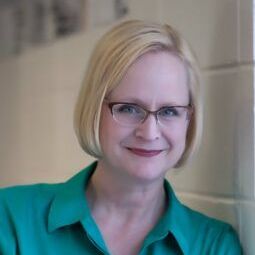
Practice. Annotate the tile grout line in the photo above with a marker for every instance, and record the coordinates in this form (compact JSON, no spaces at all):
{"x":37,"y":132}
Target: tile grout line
{"x":214,"y":198}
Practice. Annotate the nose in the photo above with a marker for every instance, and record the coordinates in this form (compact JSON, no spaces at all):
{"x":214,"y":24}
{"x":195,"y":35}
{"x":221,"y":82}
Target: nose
{"x":149,"y":129}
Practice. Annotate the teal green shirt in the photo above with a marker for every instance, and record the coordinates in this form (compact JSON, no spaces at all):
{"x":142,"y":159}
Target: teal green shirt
{"x":54,"y":219}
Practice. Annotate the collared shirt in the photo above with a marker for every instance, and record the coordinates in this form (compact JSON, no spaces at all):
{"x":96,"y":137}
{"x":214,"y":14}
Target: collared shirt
{"x":54,"y":219}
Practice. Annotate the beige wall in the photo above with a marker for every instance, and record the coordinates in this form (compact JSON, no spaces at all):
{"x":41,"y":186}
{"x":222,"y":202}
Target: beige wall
{"x":38,"y":91}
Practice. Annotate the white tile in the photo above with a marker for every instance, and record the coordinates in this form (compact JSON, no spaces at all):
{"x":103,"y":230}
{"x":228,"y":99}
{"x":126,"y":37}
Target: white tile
{"x":244,"y":135}
{"x":247,"y":226}
{"x":222,"y":209}
{"x":224,"y":165}
{"x":209,"y":26}
{"x":246,"y":30}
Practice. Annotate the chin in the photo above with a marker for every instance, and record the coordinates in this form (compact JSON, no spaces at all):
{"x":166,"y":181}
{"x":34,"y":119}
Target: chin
{"x":146,"y":170}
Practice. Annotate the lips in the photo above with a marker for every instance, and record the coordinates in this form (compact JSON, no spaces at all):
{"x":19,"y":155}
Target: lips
{"x":144,"y":153}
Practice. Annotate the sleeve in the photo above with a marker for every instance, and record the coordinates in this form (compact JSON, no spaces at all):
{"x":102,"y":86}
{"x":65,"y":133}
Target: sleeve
{"x":227,"y":243}
{"x":7,"y":236}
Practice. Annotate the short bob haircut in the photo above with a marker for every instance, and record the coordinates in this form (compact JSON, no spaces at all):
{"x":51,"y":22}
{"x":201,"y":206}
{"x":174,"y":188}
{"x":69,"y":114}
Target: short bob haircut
{"x":110,"y":60}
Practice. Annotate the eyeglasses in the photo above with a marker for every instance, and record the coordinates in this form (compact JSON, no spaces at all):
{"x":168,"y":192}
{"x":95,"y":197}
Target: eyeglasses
{"x":130,"y":114}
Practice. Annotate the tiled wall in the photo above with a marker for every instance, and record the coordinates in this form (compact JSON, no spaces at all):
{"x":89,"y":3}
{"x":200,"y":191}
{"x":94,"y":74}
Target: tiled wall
{"x":38,"y":91}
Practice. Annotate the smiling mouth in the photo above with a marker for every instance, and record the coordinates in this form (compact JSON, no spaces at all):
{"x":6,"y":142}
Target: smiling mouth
{"x":145,"y":153}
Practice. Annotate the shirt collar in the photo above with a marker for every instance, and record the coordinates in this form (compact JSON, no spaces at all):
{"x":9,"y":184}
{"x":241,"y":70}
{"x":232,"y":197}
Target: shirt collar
{"x":176,"y":219}
{"x":70,"y":206}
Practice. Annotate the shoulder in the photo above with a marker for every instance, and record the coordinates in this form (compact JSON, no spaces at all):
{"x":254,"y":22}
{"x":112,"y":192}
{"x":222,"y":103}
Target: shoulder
{"x":213,"y":235}
{"x":198,"y":233}
{"x":21,"y":207}
{"x":18,"y":196}
{"x":17,"y":202}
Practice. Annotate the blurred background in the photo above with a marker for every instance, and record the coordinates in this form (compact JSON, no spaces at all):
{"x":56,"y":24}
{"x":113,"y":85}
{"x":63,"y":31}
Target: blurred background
{"x":30,"y":23}
{"x":44,"y":49}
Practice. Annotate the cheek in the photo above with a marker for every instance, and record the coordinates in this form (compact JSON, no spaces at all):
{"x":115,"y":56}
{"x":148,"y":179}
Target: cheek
{"x":183,"y":137}
{"x":178,"y":134}
{"x":177,"y":141}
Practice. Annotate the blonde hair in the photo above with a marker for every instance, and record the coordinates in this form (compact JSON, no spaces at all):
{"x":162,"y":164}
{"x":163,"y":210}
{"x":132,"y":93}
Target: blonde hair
{"x":110,"y":60}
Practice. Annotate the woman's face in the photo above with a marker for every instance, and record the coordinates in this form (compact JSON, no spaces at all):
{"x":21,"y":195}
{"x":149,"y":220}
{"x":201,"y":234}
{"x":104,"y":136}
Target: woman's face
{"x":147,"y":150}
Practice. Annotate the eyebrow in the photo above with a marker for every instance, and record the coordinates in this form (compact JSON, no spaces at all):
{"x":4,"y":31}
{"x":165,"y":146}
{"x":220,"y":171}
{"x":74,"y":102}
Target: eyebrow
{"x":143,"y":104}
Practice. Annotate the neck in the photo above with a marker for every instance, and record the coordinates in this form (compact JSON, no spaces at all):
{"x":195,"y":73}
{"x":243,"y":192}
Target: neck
{"x":108,"y":193}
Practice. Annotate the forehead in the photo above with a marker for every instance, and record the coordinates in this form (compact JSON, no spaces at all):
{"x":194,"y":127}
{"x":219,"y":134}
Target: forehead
{"x":154,"y":78}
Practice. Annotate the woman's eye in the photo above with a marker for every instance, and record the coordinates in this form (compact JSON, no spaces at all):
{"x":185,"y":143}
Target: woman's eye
{"x":169,"y":112}
{"x":125,"y":108}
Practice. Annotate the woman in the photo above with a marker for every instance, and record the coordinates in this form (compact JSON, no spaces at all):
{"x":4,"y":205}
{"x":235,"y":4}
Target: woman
{"x":139,"y":114}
